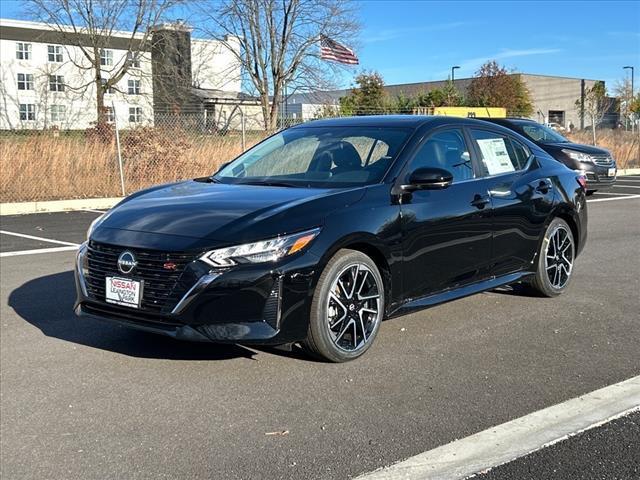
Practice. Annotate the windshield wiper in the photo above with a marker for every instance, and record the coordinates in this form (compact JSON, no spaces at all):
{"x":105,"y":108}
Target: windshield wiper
{"x":206,"y":180}
{"x":270,"y":184}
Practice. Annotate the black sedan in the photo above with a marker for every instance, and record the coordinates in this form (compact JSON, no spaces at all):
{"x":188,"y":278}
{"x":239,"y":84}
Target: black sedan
{"x":597,"y":164}
{"x":321,"y":231}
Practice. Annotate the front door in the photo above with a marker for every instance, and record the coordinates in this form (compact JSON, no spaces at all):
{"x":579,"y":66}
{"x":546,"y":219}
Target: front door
{"x":446,"y":233}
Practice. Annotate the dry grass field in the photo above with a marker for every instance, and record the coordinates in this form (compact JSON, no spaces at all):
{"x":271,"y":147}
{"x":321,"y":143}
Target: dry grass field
{"x":39,"y":166}
{"x":42,"y":167}
{"x":623,"y":145}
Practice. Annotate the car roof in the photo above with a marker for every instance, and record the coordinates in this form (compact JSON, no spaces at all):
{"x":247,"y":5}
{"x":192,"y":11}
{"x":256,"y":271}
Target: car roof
{"x":410,"y":121}
{"x":407,"y":121}
{"x":509,"y":121}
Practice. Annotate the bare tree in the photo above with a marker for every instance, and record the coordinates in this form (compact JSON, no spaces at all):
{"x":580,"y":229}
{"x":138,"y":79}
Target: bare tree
{"x":622,"y":90}
{"x":279,"y":43}
{"x":91,"y":26}
{"x":596,"y":105}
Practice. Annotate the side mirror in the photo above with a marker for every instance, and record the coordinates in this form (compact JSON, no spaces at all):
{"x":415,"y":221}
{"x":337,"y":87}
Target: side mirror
{"x":428,"y":179}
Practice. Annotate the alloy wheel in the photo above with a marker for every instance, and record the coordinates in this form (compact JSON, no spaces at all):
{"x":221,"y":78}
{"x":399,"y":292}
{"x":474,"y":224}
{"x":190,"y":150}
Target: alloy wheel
{"x":559,"y":256}
{"x":353,"y":307}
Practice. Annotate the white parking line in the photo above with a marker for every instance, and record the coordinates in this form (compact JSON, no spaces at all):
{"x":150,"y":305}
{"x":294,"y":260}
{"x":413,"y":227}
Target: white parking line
{"x":41,"y":239}
{"x":517,"y":438}
{"x":630,"y":197}
{"x":626,"y":186}
{"x":36,"y":251}
{"x":93,"y":211}
{"x":611,"y":193}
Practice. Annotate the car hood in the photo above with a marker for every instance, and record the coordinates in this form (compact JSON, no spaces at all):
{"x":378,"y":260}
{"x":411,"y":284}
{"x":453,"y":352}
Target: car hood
{"x":578,"y":147}
{"x":226,"y":213}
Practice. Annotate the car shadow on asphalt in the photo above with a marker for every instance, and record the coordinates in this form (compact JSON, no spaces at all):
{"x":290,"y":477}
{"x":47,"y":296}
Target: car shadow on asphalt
{"x":47,"y":303}
{"x":518,"y":289}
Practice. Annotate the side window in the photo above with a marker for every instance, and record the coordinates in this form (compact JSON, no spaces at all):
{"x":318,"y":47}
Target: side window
{"x":520,"y":152}
{"x":448,"y":150}
{"x":499,"y":153}
{"x":370,"y":149}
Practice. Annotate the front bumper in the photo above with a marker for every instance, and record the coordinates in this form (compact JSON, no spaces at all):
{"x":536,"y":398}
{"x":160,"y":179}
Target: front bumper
{"x":598,"y":177}
{"x":261,"y":304}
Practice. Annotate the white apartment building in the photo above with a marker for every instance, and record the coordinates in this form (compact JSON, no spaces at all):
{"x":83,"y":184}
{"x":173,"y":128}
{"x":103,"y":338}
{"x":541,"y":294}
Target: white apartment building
{"x":45,"y":83}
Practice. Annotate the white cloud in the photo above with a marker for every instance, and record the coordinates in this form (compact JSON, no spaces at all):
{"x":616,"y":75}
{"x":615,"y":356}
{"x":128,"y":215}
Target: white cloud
{"x":470,"y":65}
{"x":393,"y":33}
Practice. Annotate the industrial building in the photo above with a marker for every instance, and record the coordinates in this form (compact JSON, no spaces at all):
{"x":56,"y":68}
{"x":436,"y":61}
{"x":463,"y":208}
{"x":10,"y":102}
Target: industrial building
{"x":554,"y":98}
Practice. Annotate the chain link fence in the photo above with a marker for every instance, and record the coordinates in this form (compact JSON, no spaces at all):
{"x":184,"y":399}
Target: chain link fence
{"x":39,"y":165}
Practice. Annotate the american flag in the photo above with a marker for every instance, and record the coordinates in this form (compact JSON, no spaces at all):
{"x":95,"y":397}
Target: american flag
{"x":332,"y":50}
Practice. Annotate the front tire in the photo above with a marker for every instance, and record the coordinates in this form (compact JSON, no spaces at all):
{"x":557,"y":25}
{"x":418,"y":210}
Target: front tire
{"x":347,"y":308}
{"x":555,"y":260}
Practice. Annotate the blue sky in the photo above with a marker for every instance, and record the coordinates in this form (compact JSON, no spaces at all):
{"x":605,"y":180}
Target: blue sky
{"x":413,"y":41}
{"x":416,"y":41}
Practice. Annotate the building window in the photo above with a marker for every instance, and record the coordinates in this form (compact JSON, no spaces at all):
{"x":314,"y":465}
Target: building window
{"x":25,"y":81}
{"x":23,"y":51}
{"x":27,"y":111}
{"x":133,"y":59}
{"x":556,"y":116}
{"x":56,"y":83}
{"x":55,"y":53}
{"x":106,"y":57}
{"x":134,"y":87}
{"x":135,"y":114}
{"x":108,"y":90}
{"x":109,"y":114}
{"x":58,"y":113}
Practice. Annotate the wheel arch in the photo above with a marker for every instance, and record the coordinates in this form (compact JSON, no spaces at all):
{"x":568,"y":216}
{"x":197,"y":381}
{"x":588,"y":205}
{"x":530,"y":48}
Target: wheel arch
{"x":369,"y":245}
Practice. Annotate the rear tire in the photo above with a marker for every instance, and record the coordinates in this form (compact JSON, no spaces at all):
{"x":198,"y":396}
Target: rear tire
{"x":555,"y":260}
{"x":347,"y":308}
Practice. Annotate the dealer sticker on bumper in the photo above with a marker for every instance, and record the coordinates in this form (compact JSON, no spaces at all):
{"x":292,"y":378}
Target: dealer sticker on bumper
{"x":123,"y":291}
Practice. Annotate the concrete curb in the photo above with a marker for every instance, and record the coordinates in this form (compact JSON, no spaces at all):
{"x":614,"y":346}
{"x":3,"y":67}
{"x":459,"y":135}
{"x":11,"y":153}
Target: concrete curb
{"x":57,"y":205}
{"x":628,"y":171}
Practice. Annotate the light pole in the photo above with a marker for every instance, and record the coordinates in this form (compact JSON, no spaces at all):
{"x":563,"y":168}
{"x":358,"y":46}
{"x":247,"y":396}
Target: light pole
{"x":453,"y":72}
{"x":629,"y":67}
{"x":633,"y":119}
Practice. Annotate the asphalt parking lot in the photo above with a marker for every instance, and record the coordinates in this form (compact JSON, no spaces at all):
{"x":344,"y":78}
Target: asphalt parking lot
{"x":82,"y":399}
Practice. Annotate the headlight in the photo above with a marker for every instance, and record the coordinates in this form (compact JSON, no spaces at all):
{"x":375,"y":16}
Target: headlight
{"x":581,"y":157}
{"x":94,"y":224}
{"x":259,"y":252}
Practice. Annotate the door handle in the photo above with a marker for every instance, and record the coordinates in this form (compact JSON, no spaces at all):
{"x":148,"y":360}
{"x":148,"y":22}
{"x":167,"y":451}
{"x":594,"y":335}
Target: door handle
{"x":479,"y":201}
{"x":544,"y":186}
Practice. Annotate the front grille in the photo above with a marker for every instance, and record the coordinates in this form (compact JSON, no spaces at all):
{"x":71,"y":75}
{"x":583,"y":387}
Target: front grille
{"x":162,"y":289}
{"x":602,"y":160}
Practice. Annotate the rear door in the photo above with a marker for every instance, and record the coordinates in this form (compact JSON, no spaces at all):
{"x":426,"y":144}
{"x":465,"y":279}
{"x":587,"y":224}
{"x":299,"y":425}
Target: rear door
{"x":521,"y":196}
{"x":446,"y":234}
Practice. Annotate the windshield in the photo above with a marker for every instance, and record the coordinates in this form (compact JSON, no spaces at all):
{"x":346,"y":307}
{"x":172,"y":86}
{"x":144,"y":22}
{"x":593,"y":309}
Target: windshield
{"x":542,"y":134}
{"x":322,"y":157}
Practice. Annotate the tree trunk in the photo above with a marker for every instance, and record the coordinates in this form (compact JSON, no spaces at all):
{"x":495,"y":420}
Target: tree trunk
{"x":273,"y":120}
{"x":102,"y":117}
{"x":593,"y":128}
{"x":264,"y":103}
